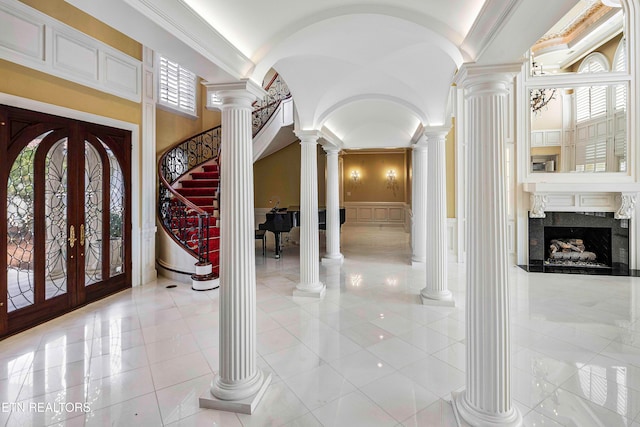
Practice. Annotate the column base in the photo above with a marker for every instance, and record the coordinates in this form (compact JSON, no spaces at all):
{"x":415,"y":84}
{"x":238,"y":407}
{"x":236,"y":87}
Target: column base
{"x":466,"y":415}
{"x":442,"y":298}
{"x":244,"y":406}
{"x":310,"y":291}
{"x":332,"y":259}
{"x":418,"y":263}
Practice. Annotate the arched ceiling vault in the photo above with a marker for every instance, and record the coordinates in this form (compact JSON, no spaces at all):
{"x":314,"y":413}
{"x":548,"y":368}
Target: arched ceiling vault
{"x":341,"y":58}
{"x":366,"y":57}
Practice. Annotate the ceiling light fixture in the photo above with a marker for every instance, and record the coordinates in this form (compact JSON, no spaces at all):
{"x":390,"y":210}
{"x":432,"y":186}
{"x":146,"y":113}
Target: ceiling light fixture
{"x":540,"y":97}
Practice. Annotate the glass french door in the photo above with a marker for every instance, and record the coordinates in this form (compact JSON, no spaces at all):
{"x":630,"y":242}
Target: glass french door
{"x":66,"y":192}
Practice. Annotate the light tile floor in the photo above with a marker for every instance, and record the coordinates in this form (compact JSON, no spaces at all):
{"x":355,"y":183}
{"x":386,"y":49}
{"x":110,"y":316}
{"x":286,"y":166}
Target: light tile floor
{"x":369,"y":354}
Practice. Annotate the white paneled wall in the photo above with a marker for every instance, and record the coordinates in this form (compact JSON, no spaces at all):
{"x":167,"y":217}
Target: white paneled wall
{"x":35,"y":40}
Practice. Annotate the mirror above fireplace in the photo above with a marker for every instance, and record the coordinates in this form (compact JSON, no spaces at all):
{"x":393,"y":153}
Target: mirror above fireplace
{"x":581,"y":129}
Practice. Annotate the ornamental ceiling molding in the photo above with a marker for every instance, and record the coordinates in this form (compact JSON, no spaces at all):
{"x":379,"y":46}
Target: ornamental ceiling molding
{"x":574,"y":29}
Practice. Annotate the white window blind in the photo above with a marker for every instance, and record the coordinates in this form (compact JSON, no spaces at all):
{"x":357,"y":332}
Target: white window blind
{"x":620,"y":64}
{"x":591,"y":102}
{"x":177,"y":86}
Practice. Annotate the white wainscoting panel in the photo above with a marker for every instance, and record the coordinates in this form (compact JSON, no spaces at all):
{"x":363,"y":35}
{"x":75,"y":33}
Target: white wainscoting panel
{"x":376,"y":213}
{"x":74,"y":56}
{"x":30,"y":44}
{"x":35,"y":40}
{"x":452,"y":239}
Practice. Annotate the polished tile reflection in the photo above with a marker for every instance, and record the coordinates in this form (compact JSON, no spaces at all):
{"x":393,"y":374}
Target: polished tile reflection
{"x":368,"y":354}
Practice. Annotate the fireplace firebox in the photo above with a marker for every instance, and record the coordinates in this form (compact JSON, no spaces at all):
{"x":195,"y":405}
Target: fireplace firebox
{"x":579,"y":242}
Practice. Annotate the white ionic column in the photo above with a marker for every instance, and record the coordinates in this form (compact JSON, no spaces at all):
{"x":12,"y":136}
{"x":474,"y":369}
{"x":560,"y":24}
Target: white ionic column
{"x":333,"y":255}
{"x":486,"y":401}
{"x":419,"y":203}
{"x":436,"y":292}
{"x":310,"y":284}
{"x":239,"y":385}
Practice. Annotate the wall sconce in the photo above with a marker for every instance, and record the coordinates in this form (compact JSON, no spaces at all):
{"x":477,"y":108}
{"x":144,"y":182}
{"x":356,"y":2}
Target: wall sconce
{"x":355,"y":177}
{"x":392,"y":183}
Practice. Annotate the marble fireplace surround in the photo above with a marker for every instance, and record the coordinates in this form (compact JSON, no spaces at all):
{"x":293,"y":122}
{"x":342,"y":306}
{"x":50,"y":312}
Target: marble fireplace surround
{"x":616,"y":203}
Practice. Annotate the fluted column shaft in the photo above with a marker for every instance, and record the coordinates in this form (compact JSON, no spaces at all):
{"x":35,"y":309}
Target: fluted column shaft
{"x":487,"y":398}
{"x":436,"y":291}
{"x":419,"y":203}
{"x":333,"y":254}
{"x":238,"y":377}
{"x":310,"y":284}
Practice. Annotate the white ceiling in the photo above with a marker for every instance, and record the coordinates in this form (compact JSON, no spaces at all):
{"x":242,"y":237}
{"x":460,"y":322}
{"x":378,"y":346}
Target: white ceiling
{"x":368,"y":72}
{"x":590,"y":23}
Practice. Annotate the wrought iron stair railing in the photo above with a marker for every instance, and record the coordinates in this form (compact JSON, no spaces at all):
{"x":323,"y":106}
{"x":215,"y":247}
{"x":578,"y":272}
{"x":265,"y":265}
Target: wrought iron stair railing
{"x":188,"y":224}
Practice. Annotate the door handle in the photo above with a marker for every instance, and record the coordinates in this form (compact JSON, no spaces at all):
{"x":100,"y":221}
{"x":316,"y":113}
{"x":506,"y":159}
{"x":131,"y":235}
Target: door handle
{"x":72,"y":236}
{"x":81,"y":234}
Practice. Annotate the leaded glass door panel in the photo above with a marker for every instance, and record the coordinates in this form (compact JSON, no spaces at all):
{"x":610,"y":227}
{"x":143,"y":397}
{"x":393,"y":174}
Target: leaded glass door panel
{"x":66,"y":198}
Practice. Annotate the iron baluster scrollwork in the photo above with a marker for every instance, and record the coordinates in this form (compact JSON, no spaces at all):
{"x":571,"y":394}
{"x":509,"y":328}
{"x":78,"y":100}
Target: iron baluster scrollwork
{"x":277,"y":91}
{"x":187,"y":223}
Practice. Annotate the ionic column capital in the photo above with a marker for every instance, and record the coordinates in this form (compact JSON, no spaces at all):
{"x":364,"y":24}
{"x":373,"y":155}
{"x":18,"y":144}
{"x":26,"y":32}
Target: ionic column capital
{"x":486,"y":79}
{"x":436,"y":133}
{"x":331,"y":150}
{"x":308,"y":136}
{"x":239,"y":94}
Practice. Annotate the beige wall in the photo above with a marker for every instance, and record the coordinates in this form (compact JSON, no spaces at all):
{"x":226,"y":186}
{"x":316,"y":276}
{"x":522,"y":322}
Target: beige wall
{"x":550,"y":116}
{"x":373,"y":167}
{"x":173,"y":128}
{"x":278,"y":177}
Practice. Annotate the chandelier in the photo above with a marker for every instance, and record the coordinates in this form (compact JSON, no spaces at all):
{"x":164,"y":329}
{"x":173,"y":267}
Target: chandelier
{"x":540,"y":97}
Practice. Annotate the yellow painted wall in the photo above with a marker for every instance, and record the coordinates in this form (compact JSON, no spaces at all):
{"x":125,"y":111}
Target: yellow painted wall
{"x":27,"y":83}
{"x":546,"y":151}
{"x":450,"y":151}
{"x":373,"y":168}
{"x":277,"y":176}
{"x":173,"y":128}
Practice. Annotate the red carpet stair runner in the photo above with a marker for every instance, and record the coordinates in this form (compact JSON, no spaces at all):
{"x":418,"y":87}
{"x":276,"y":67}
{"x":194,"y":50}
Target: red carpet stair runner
{"x":202,"y":189}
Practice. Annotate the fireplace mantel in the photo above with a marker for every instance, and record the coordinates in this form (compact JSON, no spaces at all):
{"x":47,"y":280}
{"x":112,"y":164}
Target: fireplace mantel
{"x":581,"y":197}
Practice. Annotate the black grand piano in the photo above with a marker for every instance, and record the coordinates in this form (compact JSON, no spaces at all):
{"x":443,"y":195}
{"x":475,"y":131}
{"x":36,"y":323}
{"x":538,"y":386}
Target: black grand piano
{"x":284,"y":219}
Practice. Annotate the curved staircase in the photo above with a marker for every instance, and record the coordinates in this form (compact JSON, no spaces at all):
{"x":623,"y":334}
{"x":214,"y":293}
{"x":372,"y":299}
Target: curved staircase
{"x":202,"y":188}
{"x":189,"y":185}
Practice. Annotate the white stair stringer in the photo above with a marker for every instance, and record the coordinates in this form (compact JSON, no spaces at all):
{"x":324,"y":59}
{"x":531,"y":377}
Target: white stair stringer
{"x":263,"y":142}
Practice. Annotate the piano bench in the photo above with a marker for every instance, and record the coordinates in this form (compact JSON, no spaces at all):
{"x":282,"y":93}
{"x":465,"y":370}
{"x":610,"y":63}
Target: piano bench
{"x":261,"y":234}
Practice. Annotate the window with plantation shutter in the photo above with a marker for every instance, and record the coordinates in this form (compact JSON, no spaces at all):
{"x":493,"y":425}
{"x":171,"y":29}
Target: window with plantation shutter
{"x":591,"y":101}
{"x":620,"y":64}
{"x":177,"y":87}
